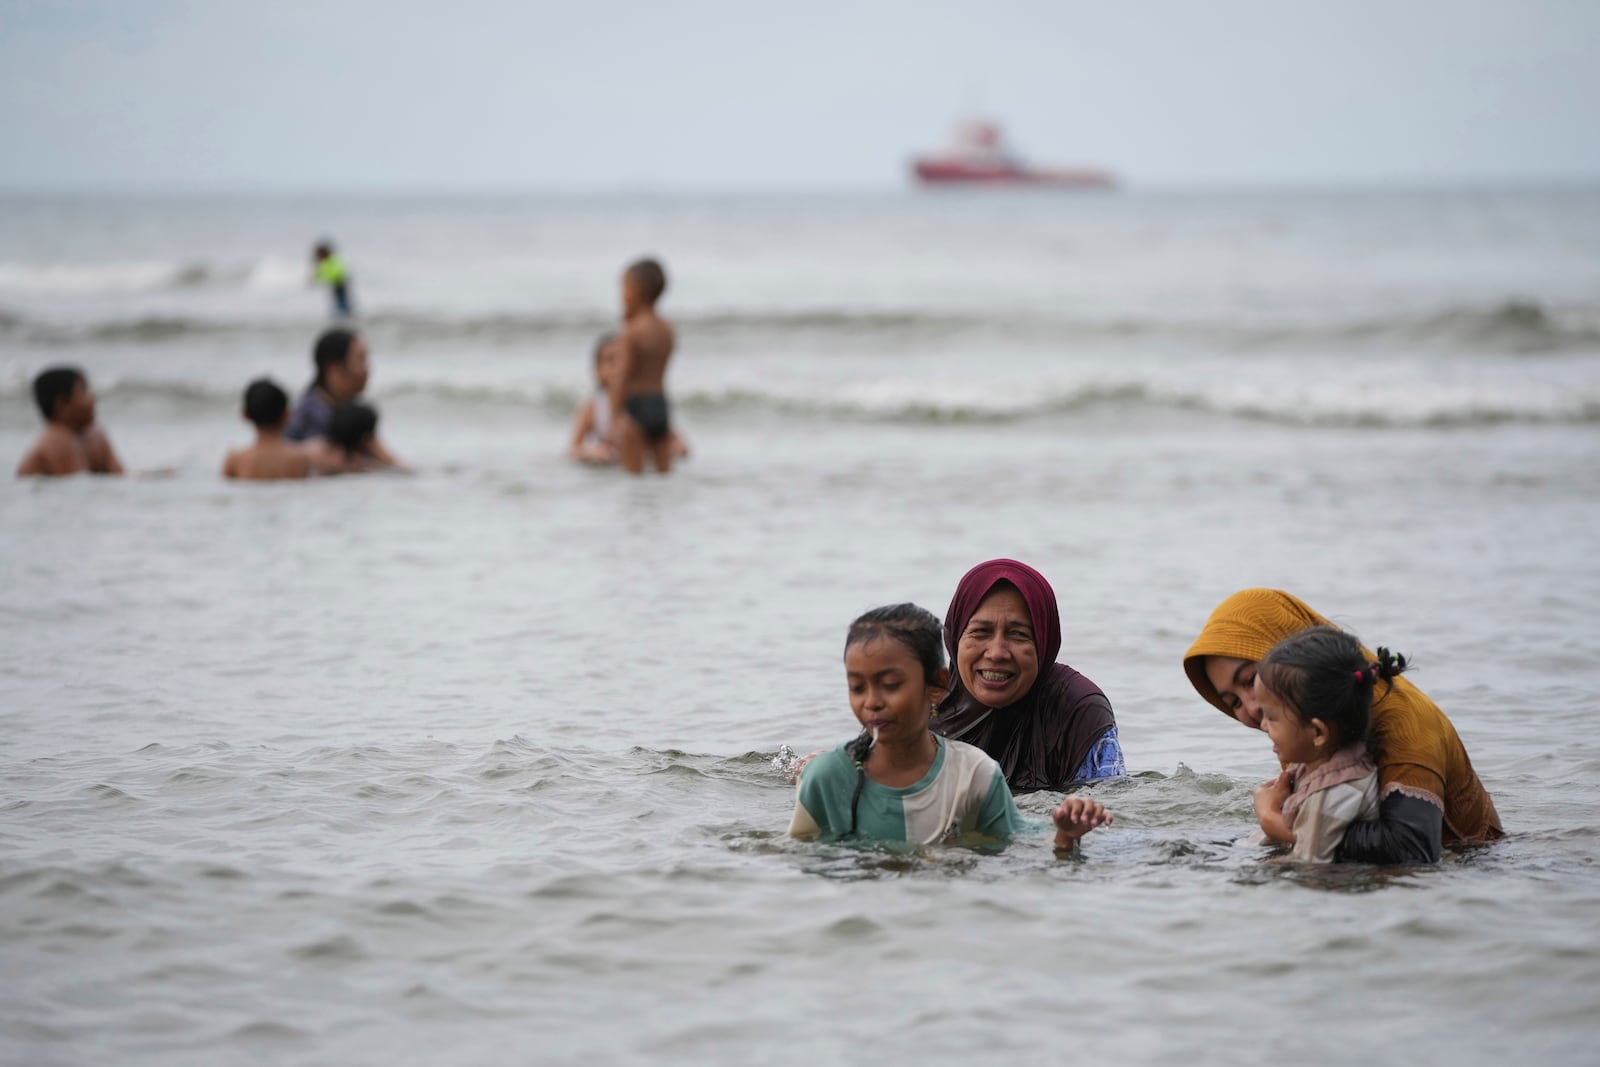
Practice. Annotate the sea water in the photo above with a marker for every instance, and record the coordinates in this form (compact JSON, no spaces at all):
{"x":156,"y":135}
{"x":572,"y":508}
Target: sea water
{"x":485,"y":764}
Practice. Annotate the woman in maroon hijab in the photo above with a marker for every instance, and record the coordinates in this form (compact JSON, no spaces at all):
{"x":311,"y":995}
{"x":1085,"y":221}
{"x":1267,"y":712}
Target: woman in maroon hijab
{"x":1047,"y":726}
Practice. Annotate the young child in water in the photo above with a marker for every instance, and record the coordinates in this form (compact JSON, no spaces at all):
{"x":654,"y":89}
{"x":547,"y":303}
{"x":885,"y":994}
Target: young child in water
{"x":328,"y":269}
{"x":271,"y":458}
{"x":592,"y":439}
{"x":638,"y":390}
{"x":348,"y":448}
{"x":898,"y":781}
{"x":71,"y":442}
{"x":1315,"y":690}
{"x":591,"y":427}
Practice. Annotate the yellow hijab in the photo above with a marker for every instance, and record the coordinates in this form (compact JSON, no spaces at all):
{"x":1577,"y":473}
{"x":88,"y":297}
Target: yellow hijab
{"x":1417,"y":750}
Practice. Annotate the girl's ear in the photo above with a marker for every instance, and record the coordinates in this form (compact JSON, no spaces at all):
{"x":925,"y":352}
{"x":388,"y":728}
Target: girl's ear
{"x":1321,"y":733}
{"x":940,"y":684}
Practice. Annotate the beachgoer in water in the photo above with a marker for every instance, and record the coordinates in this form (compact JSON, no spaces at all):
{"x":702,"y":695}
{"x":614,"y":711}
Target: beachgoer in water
{"x":343,"y":367}
{"x":1047,"y":725}
{"x":591,"y":425}
{"x":271,"y":458}
{"x":1429,"y":795}
{"x":347,"y":448}
{"x":328,"y":269}
{"x":71,"y":442}
{"x":898,"y":781}
{"x":642,"y":422}
{"x":1315,"y":691}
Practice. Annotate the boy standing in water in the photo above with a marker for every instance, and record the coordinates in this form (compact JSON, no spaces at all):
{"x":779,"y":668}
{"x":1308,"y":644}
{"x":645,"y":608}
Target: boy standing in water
{"x":71,"y":442}
{"x":271,"y":458}
{"x":640,"y":418}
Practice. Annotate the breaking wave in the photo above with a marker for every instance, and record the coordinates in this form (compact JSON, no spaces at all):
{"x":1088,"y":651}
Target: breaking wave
{"x":1510,"y":327}
{"x":952,"y":404}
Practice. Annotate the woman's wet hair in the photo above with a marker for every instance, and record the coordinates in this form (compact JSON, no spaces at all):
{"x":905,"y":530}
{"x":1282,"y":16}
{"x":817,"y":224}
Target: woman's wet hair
{"x":1322,"y":673}
{"x":922,"y":634}
{"x":265,"y":403}
{"x":352,"y":425}
{"x":332,"y":350}
{"x":54,"y":385}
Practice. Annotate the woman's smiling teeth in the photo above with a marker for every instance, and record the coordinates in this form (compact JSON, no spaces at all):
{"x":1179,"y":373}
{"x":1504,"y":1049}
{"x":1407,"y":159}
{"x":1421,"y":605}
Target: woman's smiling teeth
{"x":996,"y":677}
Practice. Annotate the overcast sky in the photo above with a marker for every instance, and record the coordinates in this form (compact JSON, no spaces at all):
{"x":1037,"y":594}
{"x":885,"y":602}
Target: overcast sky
{"x":600,"y":95}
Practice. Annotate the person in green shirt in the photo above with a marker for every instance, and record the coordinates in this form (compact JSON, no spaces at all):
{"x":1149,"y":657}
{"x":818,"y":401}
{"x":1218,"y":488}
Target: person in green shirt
{"x":898,"y":781}
{"x":328,"y":269}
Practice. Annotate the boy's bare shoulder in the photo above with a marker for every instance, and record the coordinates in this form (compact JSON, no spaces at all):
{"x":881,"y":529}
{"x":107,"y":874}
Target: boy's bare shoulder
{"x":32,"y":463}
{"x":259,"y":463}
{"x":299,"y":463}
{"x":102,"y":459}
{"x":57,"y":452}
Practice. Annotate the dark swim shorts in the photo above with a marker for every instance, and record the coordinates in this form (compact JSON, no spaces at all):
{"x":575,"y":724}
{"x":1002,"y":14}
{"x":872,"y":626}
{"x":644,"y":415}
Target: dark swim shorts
{"x":649,"y":410}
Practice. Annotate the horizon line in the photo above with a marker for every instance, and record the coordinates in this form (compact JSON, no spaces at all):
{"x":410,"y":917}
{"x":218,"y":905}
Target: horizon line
{"x":1414,"y":183}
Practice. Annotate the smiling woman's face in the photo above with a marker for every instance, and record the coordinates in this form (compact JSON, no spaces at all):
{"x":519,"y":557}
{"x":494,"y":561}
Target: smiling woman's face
{"x":1234,"y":680}
{"x":998,"y":655}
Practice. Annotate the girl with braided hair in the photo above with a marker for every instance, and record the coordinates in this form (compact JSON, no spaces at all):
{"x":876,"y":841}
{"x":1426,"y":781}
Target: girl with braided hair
{"x":898,"y":781}
{"x":1315,"y":691}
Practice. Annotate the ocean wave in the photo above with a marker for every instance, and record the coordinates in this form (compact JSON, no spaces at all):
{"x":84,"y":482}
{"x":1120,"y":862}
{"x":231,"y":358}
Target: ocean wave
{"x":1517,"y":327}
{"x":954,"y":404}
{"x":135,"y":277}
{"x":905,"y":403}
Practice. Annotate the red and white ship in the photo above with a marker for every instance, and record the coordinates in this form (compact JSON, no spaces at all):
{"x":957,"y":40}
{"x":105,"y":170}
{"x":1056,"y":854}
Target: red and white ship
{"x":978,"y":155}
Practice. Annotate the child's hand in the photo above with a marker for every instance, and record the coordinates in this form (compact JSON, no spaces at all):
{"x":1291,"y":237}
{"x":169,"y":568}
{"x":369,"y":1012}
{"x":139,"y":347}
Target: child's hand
{"x":1075,"y":817}
{"x":1269,"y":798}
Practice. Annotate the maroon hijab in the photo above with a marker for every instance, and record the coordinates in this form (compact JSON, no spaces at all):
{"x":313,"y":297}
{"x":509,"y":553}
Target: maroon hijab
{"x":1042,"y":739}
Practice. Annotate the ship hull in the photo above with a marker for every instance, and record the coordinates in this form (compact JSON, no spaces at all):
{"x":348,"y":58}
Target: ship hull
{"x":941,"y":172}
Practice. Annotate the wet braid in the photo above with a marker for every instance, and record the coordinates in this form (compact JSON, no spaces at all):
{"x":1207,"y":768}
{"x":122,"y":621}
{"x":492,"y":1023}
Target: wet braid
{"x":857,"y":751}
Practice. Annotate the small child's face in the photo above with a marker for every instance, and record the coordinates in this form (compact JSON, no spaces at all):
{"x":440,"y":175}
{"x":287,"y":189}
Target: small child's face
{"x":605,"y":364}
{"x":1293,"y":739}
{"x":888,"y":692}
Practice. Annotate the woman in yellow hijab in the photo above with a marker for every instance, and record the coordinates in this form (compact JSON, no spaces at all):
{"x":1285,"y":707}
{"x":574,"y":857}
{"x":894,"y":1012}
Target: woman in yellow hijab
{"x":1430,"y":795}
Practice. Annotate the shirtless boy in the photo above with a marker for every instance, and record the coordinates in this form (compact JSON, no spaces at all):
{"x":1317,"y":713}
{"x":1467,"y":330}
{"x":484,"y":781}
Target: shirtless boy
{"x":71,"y":442}
{"x":271,"y":458}
{"x":640,"y":420}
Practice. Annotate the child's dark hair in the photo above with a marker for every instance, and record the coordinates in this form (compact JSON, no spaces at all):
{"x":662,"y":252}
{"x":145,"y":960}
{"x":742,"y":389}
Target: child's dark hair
{"x":917,"y":629}
{"x":351,"y":425}
{"x":1321,"y":673}
{"x":332,"y":350}
{"x":651,"y":279}
{"x":265,"y":403}
{"x":52,"y":386}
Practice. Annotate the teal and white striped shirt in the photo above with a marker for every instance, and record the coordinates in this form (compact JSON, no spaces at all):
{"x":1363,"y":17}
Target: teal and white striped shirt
{"x":962,"y":793}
